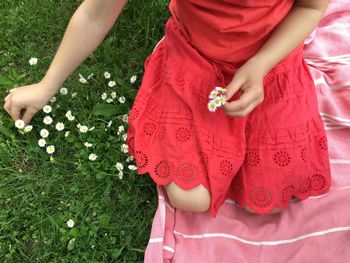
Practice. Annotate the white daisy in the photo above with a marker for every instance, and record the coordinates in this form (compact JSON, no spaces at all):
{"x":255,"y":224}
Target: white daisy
{"x":119,"y":166}
{"x":59,"y":126}
{"x":113,"y":94}
{"x":133,"y":79}
{"x":109,"y":100}
{"x":107,"y":75}
{"x":83,"y":129}
{"x":122,"y":99}
{"x":28,"y":128}
{"x":47,"y":108}
{"x":90,"y":76}
{"x":68,"y":113}
{"x":74,"y":94}
{"x":48,"y":120}
{"x":129,"y":159}
{"x":213,"y":94}
{"x":120,"y":174}
{"x":124,"y":148}
{"x":19,"y":124}
{"x":71,"y":118}
{"x":50,"y":149}
{"x":33,"y":61}
{"x":70,"y":223}
{"x":44,"y":133}
{"x":82,"y":79}
{"x":104,"y":96}
{"x":211,"y":106}
{"x":63,"y":91}
{"x":124,"y":136}
{"x":92,"y":156}
{"x":111,"y":83}
{"x":132,"y":167}
{"x":42,"y":142}
{"x":88,"y":144}
{"x":53,"y":99}
{"x":66,"y":133}
{"x":125,"y":117}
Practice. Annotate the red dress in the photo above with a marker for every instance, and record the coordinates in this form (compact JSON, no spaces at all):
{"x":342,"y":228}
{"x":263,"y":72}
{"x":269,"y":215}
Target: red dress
{"x":276,"y":152}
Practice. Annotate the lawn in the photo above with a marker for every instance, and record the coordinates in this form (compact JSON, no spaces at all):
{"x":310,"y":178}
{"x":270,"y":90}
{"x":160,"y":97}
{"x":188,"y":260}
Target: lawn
{"x":84,"y":202}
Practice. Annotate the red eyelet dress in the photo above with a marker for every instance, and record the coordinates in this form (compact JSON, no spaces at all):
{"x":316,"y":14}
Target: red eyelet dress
{"x":276,"y":152}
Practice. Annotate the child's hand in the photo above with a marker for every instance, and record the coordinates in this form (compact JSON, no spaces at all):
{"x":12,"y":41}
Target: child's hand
{"x":248,"y":79}
{"x":29,"y":99}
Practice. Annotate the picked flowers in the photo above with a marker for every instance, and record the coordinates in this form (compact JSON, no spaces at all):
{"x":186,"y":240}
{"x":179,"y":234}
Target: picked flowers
{"x":218,"y":98}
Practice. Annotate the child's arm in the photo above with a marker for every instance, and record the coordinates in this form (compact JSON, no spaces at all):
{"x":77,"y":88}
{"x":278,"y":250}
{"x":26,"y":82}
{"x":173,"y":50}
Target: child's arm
{"x":248,"y":79}
{"x":87,"y":28}
{"x":299,"y":23}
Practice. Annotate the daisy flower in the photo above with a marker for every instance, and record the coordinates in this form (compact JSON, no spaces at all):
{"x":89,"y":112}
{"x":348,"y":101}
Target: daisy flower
{"x":19,"y":124}
{"x":133,"y":79}
{"x":88,"y":144}
{"x":111,"y":83}
{"x":42,"y":142}
{"x":70,"y":223}
{"x":83,"y":129}
{"x":132,"y":167}
{"x":82,"y":79}
{"x":124,"y":148}
{"x":213,"y":94}
{"x":92,"y":156}
{"x":107,"y":75}
{"x":47,"y":120}
{"x":122,"y":99}
{"x":63,"y":91}
{"x":59,"y":126}
{"x":47,"y":108}
{"x":119,"y":166}
{"x":33,"y":61}
{"x":211,"y":106}
{"x":104,"y":96}
{"x":124,"y":136}
{"x":44,"y":133}
{"x":50,"y":149}
{"x":28,"y":128}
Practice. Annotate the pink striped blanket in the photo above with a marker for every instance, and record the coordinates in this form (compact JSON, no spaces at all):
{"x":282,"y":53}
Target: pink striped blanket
{"x":314,"y":230}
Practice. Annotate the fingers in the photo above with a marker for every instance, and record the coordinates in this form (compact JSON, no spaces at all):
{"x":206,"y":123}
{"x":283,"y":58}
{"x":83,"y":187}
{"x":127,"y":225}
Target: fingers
{"x":28,"y":115}
{"x":245,"y":104}
{"x":15,"y":111}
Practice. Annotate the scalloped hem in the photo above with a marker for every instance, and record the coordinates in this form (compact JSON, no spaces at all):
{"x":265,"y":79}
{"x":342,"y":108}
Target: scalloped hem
{"x":296,"y":198}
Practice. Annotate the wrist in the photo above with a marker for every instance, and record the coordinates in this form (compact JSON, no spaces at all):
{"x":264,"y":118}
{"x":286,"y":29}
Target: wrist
{"x":51,"y":84}
{"x":262,"y":63}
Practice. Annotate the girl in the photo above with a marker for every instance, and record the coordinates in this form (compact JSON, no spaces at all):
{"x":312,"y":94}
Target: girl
{"x":264,"y":146}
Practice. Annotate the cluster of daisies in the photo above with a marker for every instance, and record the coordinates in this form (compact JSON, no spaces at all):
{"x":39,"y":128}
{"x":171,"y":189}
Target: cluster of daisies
{"x":59,"y":126}
{"x":113,"y":94}
{"x":218,"y":98}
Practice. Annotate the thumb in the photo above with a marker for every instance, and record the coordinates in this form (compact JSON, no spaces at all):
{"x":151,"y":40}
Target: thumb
{"x":233,"y":87}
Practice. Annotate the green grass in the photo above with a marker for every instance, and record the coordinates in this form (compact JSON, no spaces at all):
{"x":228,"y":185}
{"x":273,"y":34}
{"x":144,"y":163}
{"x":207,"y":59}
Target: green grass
{"x":112,"y":215}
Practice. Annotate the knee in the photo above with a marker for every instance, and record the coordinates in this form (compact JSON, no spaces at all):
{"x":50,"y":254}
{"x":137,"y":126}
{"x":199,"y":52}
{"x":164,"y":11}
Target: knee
{"x":196,"y":199}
